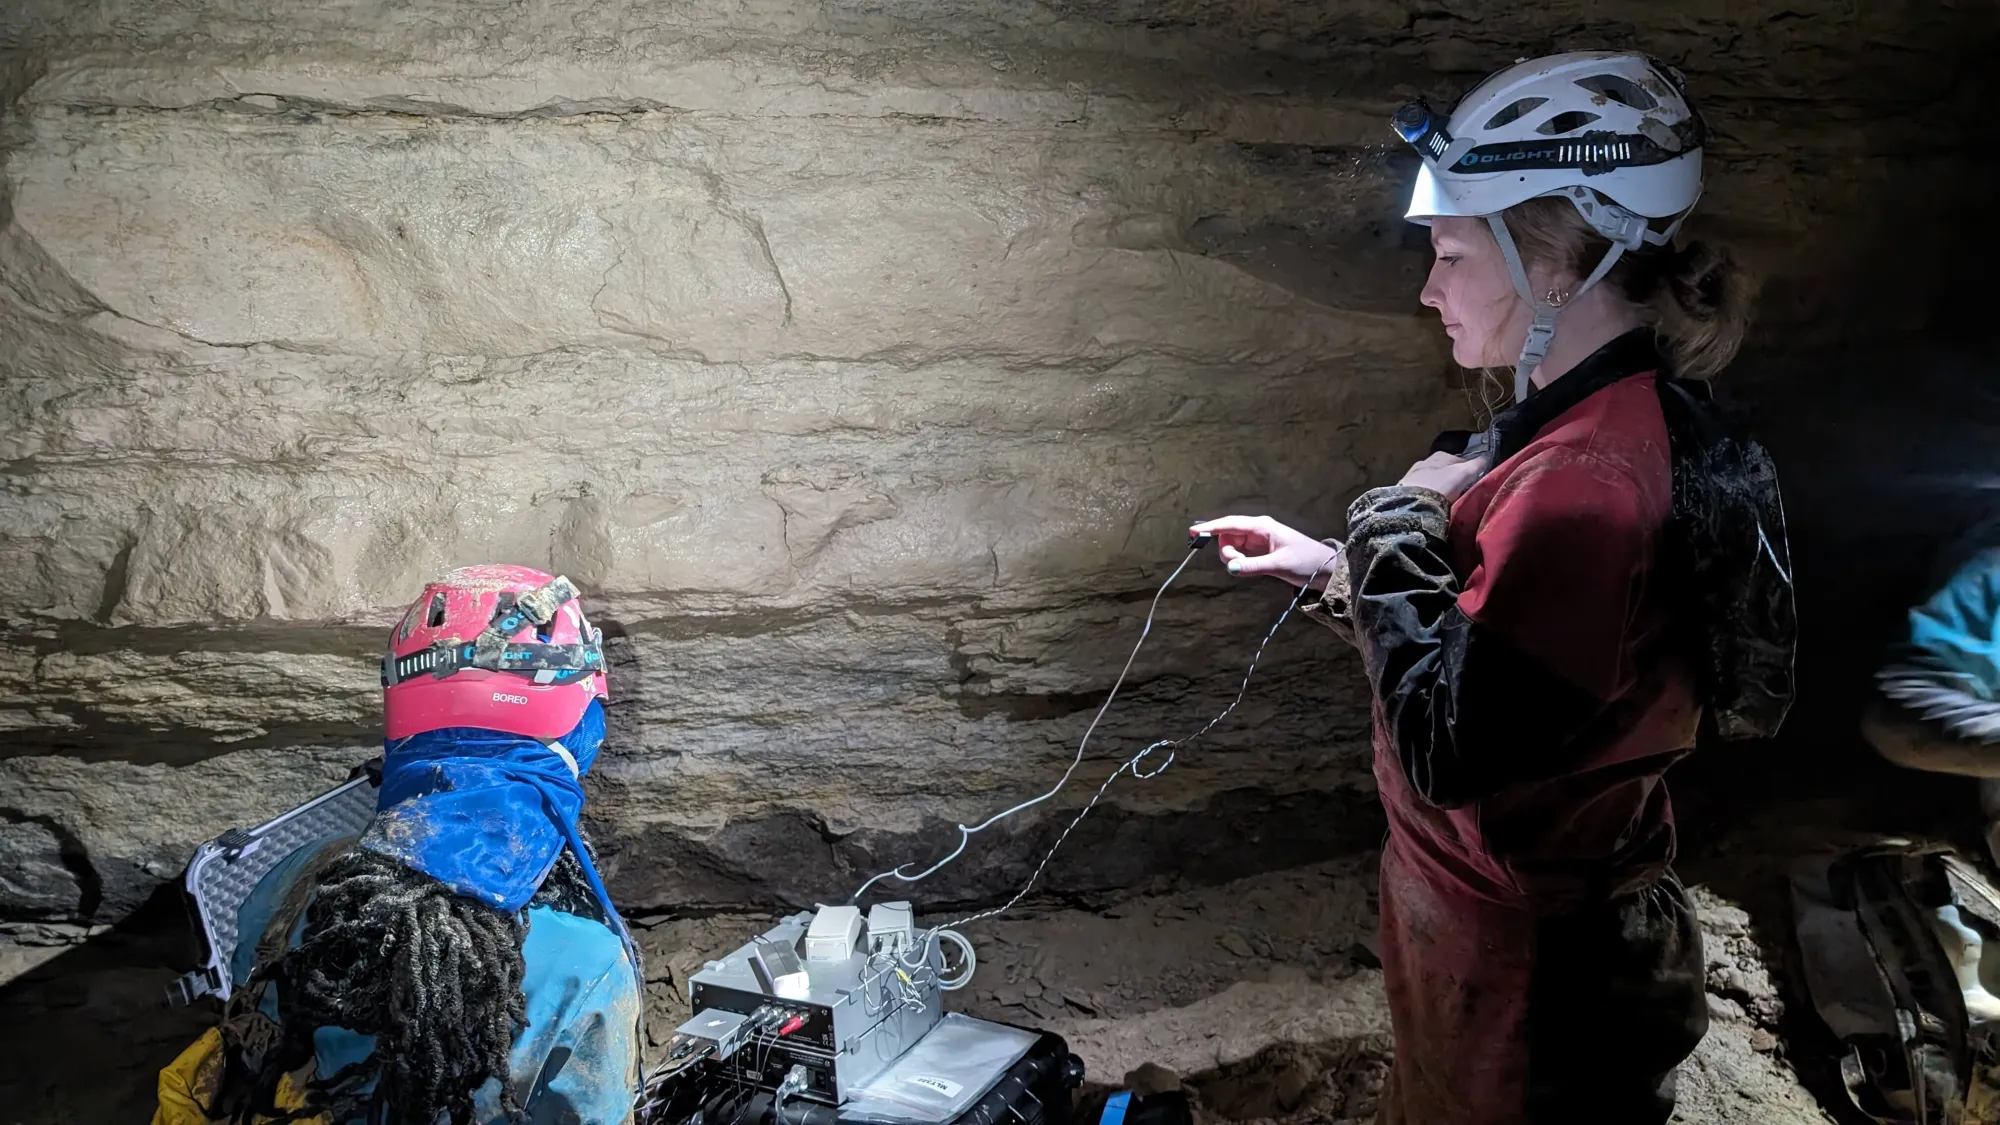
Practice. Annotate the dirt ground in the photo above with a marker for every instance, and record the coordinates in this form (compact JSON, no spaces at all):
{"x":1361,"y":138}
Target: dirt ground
{"x":1261,"y":996}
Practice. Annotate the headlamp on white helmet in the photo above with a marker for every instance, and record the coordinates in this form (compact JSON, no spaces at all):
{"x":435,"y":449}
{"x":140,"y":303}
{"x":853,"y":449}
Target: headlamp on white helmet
{"x":1610,"y":131}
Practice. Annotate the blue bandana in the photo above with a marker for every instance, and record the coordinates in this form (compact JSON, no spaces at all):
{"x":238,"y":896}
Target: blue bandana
{"x":486,"y":813}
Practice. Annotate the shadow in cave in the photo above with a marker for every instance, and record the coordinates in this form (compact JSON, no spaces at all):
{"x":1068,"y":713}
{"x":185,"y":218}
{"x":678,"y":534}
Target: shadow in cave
{"x":1884,"y":430}
{"x":1872,"y":378}
{"x":86,"y":1031}
{"x":1337,"y":1079}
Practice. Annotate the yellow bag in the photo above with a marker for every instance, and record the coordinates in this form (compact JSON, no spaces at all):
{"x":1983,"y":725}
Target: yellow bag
{"x":188,"y":1085}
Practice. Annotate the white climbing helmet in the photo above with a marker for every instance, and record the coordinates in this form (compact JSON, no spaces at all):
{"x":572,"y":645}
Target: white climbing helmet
{"x":1611,"y":131}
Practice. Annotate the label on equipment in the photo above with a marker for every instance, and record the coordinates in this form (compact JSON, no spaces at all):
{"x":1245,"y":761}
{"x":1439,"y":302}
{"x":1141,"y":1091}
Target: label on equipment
{"x":943,"y":1086}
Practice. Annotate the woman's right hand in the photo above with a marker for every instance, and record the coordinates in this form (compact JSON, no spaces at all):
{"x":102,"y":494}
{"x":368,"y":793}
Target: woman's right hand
{"x":1255,"y":545}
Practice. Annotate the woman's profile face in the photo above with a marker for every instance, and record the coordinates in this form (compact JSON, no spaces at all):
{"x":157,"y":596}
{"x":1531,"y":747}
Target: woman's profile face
{"x":1470,"y":288}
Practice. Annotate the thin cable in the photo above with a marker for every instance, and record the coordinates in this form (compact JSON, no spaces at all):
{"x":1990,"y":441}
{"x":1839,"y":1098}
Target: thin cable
{"x":964,"y":976}
{"x":652,"y":1093}
{"x":871,"y":975}
{"x":965,"y":834}
{"x":1132,"y":765}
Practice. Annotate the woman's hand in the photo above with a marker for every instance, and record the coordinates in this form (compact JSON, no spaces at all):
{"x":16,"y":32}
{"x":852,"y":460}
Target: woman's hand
{"x":1253,"y":545}
{"x":1444,"y":473}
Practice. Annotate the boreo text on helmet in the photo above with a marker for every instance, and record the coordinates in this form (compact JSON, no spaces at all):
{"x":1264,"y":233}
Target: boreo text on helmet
{"x":502,"y":648}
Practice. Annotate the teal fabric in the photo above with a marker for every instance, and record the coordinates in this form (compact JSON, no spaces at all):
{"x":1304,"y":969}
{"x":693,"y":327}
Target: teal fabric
{"x":1956,"y":633}
{"x":578,"y":1059}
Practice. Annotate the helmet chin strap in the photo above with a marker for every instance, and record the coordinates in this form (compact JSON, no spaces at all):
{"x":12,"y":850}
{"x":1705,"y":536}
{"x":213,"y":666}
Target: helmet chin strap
{"x":1625,"y":230}
{"x":1542,"y":329}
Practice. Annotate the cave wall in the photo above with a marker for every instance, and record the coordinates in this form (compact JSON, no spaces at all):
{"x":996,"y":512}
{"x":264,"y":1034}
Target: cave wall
{"x":862,"y":361}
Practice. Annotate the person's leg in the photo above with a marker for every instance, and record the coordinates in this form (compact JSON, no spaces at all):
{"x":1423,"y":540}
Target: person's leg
{"x":1456,"y":968}
{"x":1617,"y":1003}
{"x":1916,"y":743}
{"x":1913,"y":742}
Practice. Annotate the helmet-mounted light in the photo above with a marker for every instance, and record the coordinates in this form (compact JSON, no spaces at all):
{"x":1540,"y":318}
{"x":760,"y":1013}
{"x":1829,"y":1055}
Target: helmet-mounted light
{"x":1422,"y":129}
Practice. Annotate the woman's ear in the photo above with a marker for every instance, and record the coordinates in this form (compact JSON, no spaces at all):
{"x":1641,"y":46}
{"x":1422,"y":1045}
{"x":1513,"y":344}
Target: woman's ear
{"x":1548,"y":282}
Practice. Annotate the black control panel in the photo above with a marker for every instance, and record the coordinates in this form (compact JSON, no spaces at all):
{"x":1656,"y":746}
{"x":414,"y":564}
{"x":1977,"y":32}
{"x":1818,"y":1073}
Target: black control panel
{"x":764,"y":1059}
{"x":763,"y":1067}
{"x":817,"y":1031}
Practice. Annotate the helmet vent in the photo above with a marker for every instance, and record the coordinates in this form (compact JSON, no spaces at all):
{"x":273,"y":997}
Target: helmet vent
{"x":1619,"y":89}
{"x":437,"y":610}
{"x":1568,"y":122}
{"x":1513,"y":112}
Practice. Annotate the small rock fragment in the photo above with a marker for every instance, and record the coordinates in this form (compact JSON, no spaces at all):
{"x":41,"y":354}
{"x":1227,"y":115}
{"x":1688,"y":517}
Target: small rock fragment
{"x":1292,"y":1084}
{"x":1723,"y":1008}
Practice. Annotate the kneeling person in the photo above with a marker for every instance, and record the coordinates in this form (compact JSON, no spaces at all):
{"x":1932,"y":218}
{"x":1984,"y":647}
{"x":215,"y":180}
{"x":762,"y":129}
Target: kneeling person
{"x":460,"y":960}
{"x":1939,"y":704}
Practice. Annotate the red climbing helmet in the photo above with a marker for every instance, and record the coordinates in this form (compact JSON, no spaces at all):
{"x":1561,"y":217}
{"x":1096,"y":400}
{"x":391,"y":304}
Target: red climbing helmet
{"x":502,"y":648}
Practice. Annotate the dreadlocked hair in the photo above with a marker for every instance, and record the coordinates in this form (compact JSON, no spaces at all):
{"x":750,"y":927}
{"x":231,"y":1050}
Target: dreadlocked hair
{"x":433,"y":975}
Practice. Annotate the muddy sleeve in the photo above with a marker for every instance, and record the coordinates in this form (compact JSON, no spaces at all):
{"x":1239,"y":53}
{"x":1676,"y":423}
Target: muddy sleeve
{"x":1487,"y":679}
{"x":1333,"y":607}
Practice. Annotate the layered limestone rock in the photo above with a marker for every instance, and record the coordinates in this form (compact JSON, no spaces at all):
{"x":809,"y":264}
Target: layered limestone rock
{"x":864,"y":363}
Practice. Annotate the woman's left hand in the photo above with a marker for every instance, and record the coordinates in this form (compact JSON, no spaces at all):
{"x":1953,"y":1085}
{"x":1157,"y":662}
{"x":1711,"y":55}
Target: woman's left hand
{"x":1445,"y":473}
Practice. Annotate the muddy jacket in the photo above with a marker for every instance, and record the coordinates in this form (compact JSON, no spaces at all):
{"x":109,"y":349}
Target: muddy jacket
{"x":1528,"y":693}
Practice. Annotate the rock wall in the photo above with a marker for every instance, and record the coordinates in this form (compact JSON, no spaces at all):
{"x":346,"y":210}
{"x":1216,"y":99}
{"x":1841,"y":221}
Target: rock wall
{"x":863,"y":361}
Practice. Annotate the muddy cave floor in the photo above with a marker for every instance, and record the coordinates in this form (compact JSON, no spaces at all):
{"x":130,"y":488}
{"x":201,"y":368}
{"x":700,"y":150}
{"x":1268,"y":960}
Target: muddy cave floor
{"x":1263,"y":998}
{"x":1260,"y":996}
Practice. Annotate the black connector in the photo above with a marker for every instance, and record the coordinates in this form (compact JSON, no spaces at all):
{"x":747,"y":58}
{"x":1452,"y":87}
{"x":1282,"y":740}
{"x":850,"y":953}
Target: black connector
{"x":1197,"y":542}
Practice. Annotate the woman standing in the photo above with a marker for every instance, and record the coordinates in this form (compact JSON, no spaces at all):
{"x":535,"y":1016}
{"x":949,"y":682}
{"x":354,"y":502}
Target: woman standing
{"x":1531,"y":680}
